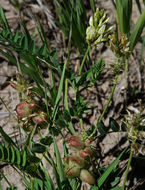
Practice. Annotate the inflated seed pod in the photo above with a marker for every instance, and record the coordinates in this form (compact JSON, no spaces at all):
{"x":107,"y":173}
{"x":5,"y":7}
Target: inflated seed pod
{"x":77,"y":160}
{"x":87,"y":177}
{"x":40,"y":118}
{"x":75,"y":142}
{"x":72,"y":172}
{"x":87,"y":152}
{"x":24,"y":109}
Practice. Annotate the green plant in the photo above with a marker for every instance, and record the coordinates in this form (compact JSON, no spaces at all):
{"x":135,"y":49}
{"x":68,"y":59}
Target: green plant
{"x":40,"y":102}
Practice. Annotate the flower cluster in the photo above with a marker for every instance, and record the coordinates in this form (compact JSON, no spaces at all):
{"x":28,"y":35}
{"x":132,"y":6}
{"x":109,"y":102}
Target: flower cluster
{"x":135,"y":127}
{"x":29,"y":111}
{"x":98,"y":30}
{"x":79,"y":161}
{"x":119,"y":47}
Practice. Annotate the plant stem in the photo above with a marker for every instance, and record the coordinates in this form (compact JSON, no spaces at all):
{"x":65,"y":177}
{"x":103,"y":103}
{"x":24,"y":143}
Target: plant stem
{"x":84,"y":59}
{"x":29,"y":138}
{"x":126,"y":79}
{"x":71,"y":128}
{"x":66,"y":105}
{"x":108,"y":102}
{"x":110,"y":97}
{"x":10,"y":113}
{"x":126,"y":74}
{"x":127,"y":169}
{"x":5,"y":178}
{"x":84,"y":134}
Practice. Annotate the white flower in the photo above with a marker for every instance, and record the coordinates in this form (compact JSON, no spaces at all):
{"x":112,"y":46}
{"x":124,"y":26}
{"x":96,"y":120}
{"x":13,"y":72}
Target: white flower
{"x":98,"y":30}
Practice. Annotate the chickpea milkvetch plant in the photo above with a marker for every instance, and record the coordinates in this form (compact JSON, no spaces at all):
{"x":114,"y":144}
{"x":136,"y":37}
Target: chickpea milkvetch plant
{"x":39,"y":106}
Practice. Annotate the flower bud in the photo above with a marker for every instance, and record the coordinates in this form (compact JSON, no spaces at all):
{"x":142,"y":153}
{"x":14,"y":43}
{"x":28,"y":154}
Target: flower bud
{"x":119,"y":47}
{"x":87,"y":177}
{"x":98,"y":30}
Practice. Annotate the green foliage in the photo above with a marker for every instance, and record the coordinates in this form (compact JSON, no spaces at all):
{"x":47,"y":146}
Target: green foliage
{"x":72,"y":17}
{"x":38,"y":148}
{"x":59,"y":162}
{"x":6,"y":137}
{"x":31,"y":55}
{"x":114,"y":125}
{"x":13,"y":156}
{"x":124,"y":12}
{"x":139,"y":5}
{"x":11,"y":188}
{"x":102,"y":128}
{"x":62,"y":111}
{"x":96,"y":70}
{"x":102,"y":179}
{"x":137,"y":30}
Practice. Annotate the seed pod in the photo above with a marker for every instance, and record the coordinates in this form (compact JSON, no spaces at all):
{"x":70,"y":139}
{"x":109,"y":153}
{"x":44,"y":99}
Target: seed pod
{"x":40,"y":118}
{"x":87,"y":177}
{"x":80,"y":162}
{"x":72,"y":172}
{"x":14,"y":85}
{"x":75,"y":142}
{"x":24,"y":109}
{"x":85,"y":153}
{"x":32,"y":105}
{"x":66,"y":159}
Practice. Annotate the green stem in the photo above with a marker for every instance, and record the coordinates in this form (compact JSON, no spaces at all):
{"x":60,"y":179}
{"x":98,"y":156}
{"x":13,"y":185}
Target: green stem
{"x":84,"y":59}
{"x":29,"y":138}
{"x":71,"y":128}
{"x":5,"y":178}
{"x":127,"y":169}
{"x":13,"y":115}
{"x":110,"y":97}
{"x":126,"y":79}
{"x":84,"y":134}
{"x":126,"y":74}
{"x":66,"y":105}
{"x":108,"y":102}
{"x":65,"y":94}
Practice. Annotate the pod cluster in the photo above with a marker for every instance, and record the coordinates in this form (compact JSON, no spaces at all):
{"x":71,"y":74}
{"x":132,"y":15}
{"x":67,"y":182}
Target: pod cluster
{"x":78,"y":162}
{"x":29,"y":110}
